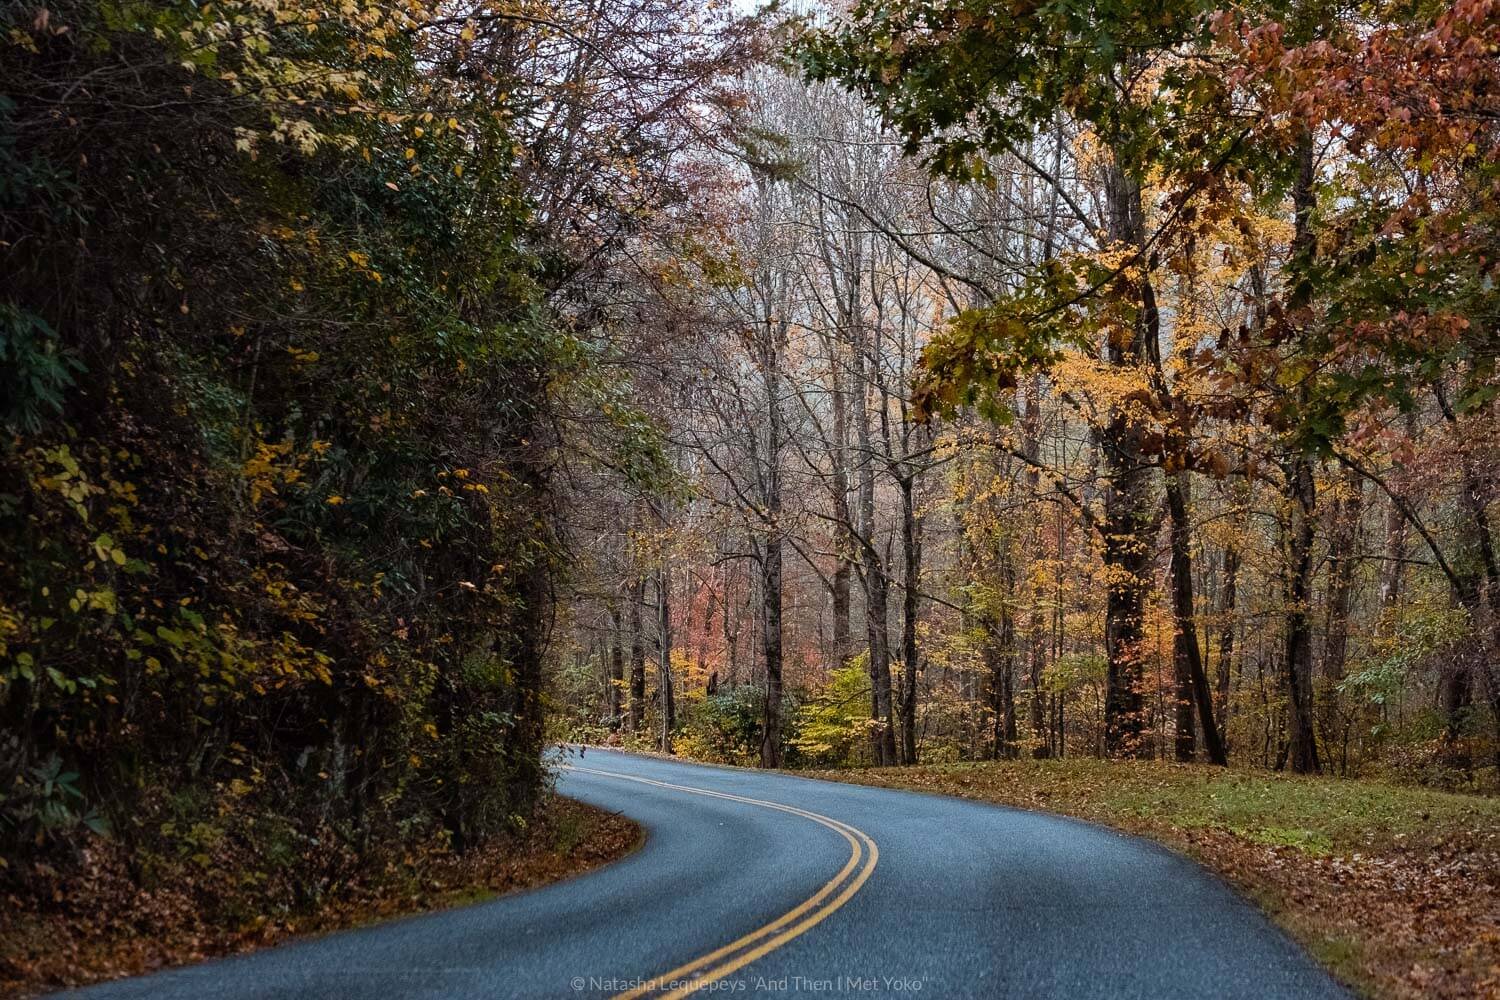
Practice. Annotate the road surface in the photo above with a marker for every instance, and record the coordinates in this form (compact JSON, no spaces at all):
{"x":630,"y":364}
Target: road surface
{"x":765,"y":884}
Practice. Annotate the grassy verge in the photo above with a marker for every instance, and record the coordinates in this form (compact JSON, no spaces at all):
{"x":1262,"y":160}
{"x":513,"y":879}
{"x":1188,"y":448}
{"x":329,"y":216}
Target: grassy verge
{"x":1397,"y":890}
{"x":102,"y":925}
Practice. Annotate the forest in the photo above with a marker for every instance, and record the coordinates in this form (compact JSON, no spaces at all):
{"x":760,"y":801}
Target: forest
{"x":1128,"y":395}
{"x":392,"y":390}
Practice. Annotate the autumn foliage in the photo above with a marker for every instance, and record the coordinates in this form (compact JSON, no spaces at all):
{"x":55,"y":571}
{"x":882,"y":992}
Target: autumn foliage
{"x":294,"y":308}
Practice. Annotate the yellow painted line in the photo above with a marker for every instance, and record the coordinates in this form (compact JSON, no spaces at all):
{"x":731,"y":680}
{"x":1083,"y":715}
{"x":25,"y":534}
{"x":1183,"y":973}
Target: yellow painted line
{"x":847,"y":832}
{"x":863,"y":856}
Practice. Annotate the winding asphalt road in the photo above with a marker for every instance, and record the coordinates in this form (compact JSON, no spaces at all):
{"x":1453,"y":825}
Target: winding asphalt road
{"x":754,"y":883}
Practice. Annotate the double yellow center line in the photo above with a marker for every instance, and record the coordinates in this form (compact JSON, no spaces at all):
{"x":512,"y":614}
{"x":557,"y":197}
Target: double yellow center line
{"x":721,"y":962}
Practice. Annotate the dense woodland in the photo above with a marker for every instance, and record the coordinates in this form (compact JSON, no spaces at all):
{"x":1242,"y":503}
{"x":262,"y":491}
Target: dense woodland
{"x":1089,"y":379}
{"x":925,"y":380}
{"x":298,"y":326}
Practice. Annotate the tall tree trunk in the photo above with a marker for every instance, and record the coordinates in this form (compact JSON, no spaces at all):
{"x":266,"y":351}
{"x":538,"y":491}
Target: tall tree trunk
{"x":1228,"y":598}
{"x":1343,"y":544}
{"x":1000,"y":658}
{"x":637,"y":715}
{"x":876,"y":586}
{"x":1301,"y":488}
{"x":664,"y":663}
{"x":877,"y":606}
{"x":1394,"y":569}
{"x":730,"y":623}
{"x":1000,"y":667}
{"x":911,"y":546}
{"x":770,"y":563}
{"x":616,"y":668}
{"x":1037,"y":659}
{"x":1302,"y":749}
{"x":1187,"y":657}
{"x":770,"y":584}
{"x":1184,"y":645}
{"x":1129,"y":507}
{"x":710,"y":605}
{"x":845,"y":543}
{"x":842,"y":589}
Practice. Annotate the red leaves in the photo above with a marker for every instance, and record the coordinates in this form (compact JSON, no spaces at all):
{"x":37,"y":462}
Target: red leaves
{"x":1425,"y":90}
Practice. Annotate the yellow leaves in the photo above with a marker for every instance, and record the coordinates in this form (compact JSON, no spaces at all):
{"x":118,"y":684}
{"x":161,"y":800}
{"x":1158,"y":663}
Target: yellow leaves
{"x":102,"y":599}
{"x":271,"y":466}
{"x":320,"y":669}
{"x":10,"y":627}
{"x":1103,"y":385}
{"x":362,"y":262}
{"x":410,"y":152}
{"x":56,"y":470}
{"x":458,"y":170}
{"x":334,"y":501}
{"x":22,"y":40}
{"x":302,"y":356}
{"x":106,"y":549}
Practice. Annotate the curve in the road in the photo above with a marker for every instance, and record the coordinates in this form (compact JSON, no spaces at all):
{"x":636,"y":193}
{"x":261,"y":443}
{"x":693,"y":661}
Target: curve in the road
{"x":968,"y":900}
{"x":693,"y":976}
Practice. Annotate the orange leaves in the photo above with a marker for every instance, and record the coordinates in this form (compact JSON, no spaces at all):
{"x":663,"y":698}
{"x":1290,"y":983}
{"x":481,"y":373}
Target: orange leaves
{"x":1419,"y":89}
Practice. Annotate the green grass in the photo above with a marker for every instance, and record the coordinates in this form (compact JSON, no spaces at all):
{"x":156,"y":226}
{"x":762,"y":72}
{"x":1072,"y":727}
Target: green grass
{"x":1318,"y":815}
{"x":1353,"y":869}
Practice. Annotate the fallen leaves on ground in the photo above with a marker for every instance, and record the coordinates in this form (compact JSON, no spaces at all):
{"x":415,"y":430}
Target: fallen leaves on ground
{"x":98,"y":922}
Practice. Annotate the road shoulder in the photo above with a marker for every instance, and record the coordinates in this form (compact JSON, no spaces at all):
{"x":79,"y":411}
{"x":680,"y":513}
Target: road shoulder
{"x":1395,"y":890}
{"x":103,"y":924}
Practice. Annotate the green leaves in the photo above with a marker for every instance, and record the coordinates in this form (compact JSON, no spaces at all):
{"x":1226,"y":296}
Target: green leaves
{"x":49,"y":803}
{"x":962,"y":78}
{"x":983,"y":352}
{"x":35,"y":370}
